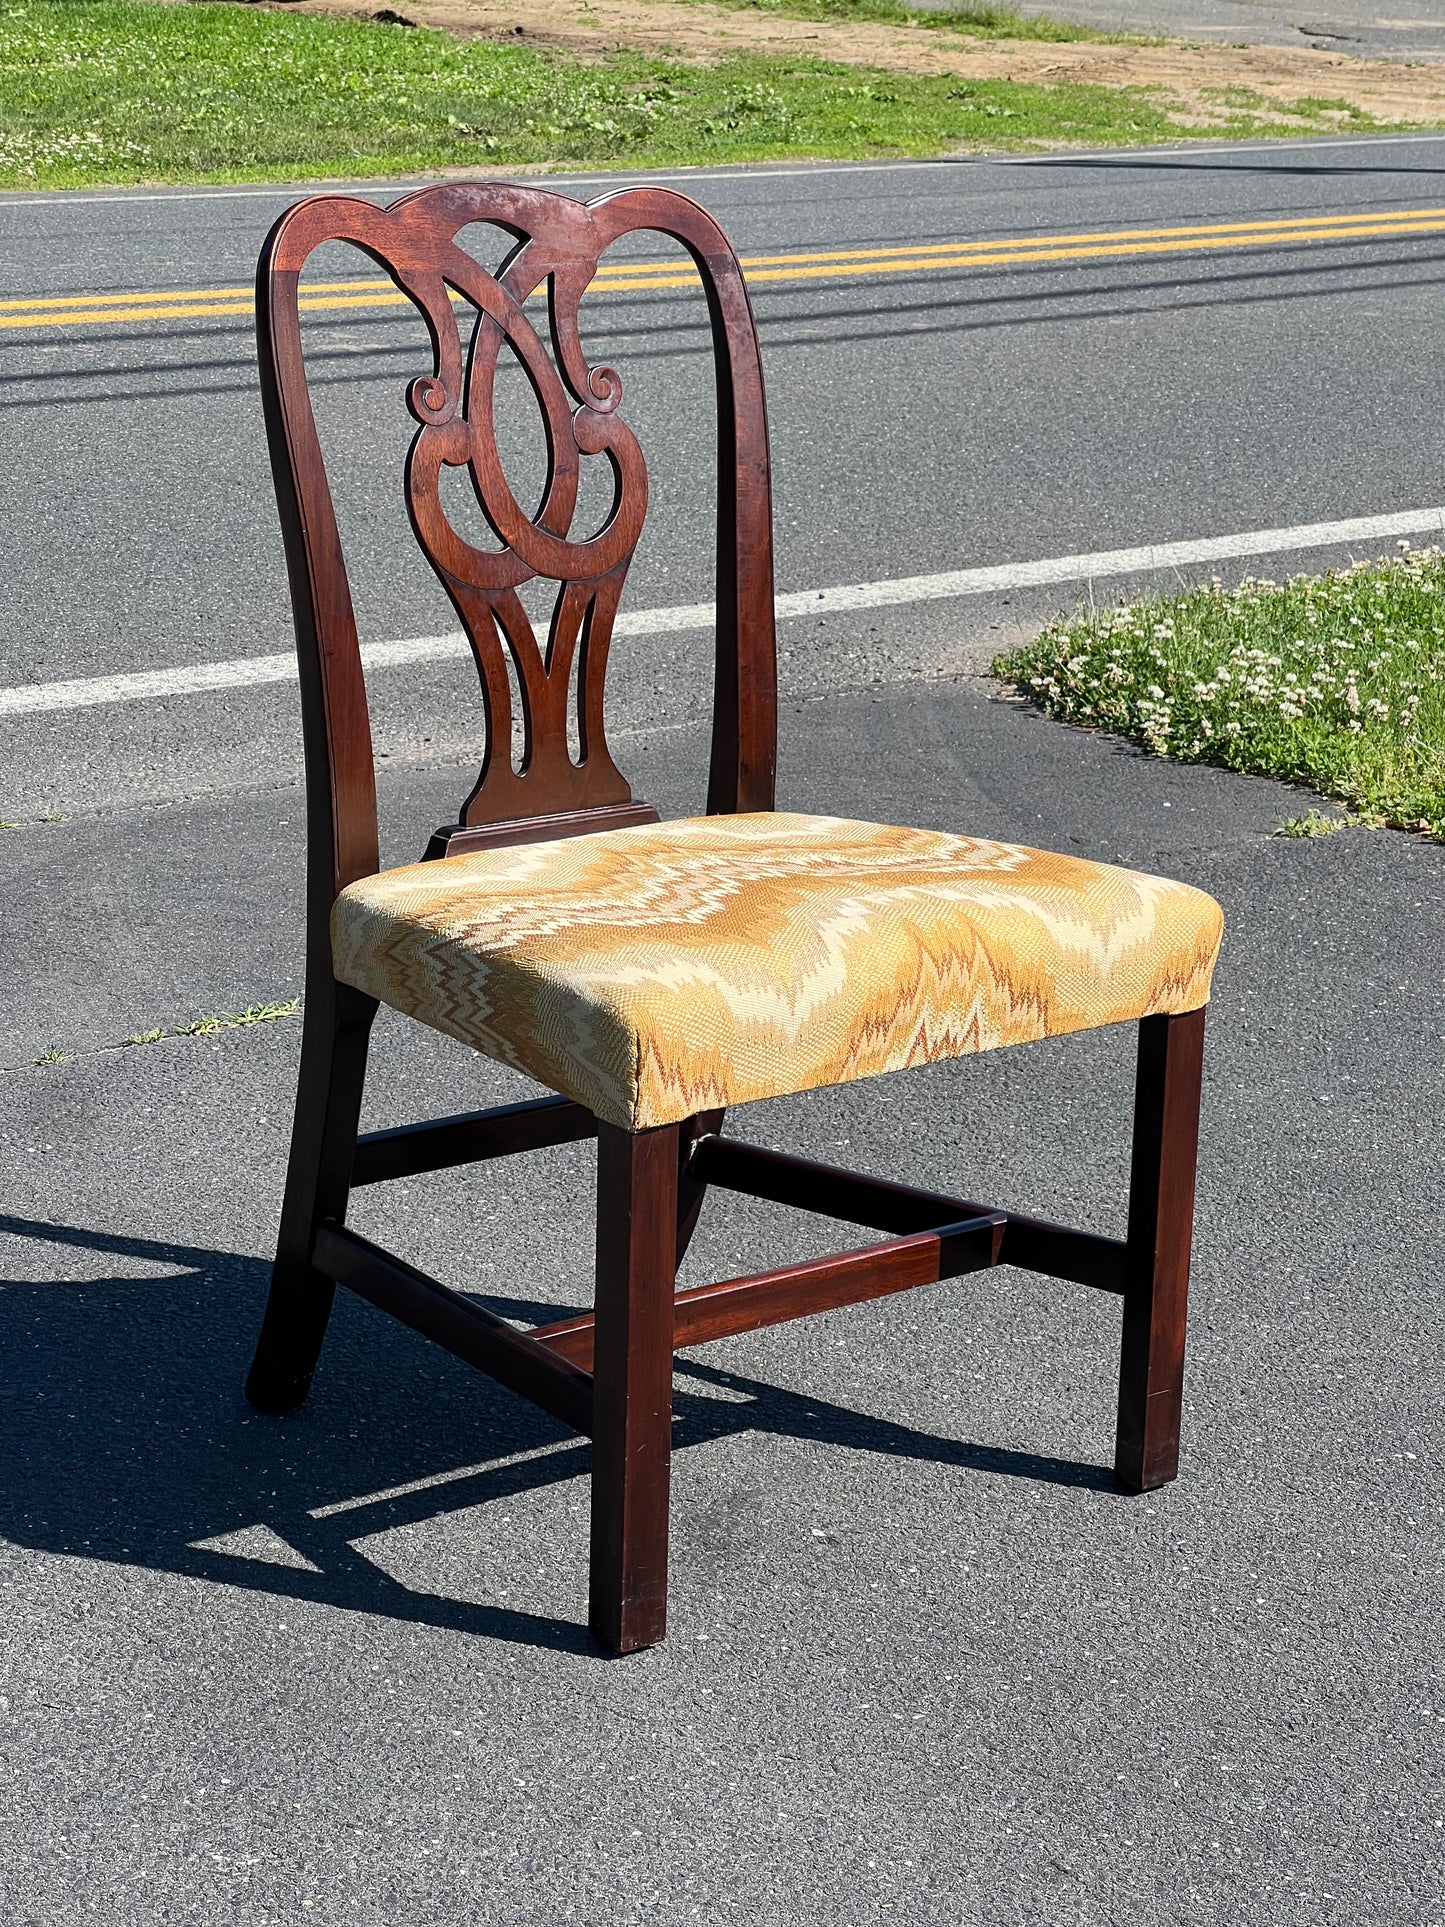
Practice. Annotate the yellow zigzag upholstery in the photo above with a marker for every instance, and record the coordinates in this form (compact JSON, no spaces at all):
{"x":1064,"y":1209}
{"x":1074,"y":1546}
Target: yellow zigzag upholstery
{"x":652,"y":973}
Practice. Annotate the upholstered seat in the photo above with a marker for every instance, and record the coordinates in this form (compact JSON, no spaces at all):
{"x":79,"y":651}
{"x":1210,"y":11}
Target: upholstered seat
{"x":657,"y":972}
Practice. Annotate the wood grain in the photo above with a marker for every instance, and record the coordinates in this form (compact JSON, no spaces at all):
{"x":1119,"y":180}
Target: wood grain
{"x":632,"y":1386}
{"x":1161,"y":1224}
{"x":798,"y":1291}
{"x":558,"y":243}
{"x":1034,"y":1243}
{"x":459,"y":1324}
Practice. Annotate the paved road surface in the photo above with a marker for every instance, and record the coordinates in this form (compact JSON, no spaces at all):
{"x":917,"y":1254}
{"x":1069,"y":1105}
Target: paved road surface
{"x":1412,"y":30}
{"x":925,"y":1664}
{"x":923,"y":421}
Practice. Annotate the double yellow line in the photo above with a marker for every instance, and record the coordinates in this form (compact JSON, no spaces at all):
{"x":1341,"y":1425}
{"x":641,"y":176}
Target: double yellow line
{"x":88,"y":310}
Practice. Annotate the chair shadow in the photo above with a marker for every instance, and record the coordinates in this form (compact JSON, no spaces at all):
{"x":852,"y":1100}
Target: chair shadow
{"x":129,"y":1440}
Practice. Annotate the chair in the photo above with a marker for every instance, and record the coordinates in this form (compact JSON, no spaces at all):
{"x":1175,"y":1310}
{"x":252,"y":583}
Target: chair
{"x":653,"y":974}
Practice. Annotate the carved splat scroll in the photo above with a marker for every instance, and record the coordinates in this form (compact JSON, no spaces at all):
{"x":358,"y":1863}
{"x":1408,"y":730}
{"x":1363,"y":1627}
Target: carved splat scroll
{"x":558,"y":245}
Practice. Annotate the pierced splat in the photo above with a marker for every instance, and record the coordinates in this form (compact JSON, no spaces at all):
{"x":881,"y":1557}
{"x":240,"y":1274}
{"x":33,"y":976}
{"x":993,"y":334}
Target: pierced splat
{"x":549,"y":789}
{"x":578,"y":408}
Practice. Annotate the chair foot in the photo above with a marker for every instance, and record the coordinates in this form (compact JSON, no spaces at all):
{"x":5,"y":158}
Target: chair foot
{"x":318,"y":1181}
{"x":1161,"y":1222}
{"x":289,"y":1344}
{"x":632,"y":1385}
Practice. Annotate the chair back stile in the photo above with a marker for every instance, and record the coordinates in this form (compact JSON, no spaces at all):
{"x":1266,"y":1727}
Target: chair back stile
{"x":559,"y":244}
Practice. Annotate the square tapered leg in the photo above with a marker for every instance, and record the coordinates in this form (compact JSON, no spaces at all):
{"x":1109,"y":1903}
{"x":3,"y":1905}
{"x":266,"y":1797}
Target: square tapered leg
{"x":1156,"y":1264}
{"x":637,"y":1177}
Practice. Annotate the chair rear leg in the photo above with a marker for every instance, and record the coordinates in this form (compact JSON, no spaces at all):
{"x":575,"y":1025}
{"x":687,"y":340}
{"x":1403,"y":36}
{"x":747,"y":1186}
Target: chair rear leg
{"x":637,"y":1227}
{"x":690,"y":1193}
{"x":1161,"y":1223}
{"x":318,"y":1182}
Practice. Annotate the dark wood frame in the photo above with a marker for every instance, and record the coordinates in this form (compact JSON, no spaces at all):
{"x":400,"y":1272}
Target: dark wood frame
{"x":608,"y":1375}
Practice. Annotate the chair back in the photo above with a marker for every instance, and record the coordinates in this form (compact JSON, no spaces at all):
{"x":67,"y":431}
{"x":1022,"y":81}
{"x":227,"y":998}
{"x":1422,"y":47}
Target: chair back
{"x":559,"y":242}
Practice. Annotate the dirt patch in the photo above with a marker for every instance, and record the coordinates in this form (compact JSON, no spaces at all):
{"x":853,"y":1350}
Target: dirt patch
{"x":1194,"y":75}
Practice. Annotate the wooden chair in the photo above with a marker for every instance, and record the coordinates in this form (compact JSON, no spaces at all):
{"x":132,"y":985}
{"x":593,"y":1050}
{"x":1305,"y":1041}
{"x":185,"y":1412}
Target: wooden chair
{"x":652,"y":974}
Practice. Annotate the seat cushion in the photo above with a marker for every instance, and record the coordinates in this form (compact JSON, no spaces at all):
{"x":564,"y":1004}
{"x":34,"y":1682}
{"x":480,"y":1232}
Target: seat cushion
{"x":656,"y":972}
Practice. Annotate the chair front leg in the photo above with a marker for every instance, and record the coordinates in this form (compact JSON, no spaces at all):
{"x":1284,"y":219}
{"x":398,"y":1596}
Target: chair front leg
{"x":318,"y":1183}
{"x":1156,"y":1265}
{"x":637,"y":1223}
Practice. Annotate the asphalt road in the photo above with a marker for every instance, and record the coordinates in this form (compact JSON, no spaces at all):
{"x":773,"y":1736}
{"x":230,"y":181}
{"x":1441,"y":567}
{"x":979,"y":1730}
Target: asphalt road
{"x":925,"y":1664}
{"x":921,"y":421}
{"x":1408,"y":31}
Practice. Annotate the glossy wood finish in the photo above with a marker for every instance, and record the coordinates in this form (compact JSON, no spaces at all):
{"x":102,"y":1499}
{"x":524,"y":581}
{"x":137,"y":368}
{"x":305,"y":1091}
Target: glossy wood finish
{"x":470,"y":1139}
{"x":607,"y":1374}
{"x":318,"y":1177}
{"x":797,"y":1291}
{"x":459,"y":1324}
{"x":462,"y":839}
{"x":1034,"y":1243}
{"x":1161,"y":1225}
{"x":558,"y":243}
{"x":632,"y":1384}
{"x":691,"y":1185}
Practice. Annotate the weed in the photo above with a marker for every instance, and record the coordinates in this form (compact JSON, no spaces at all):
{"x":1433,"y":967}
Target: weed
{"x":230,"y":1020}
{"x":1314,"y":823}
{"x":201,"y":1027}
{"x":1334,"y":681}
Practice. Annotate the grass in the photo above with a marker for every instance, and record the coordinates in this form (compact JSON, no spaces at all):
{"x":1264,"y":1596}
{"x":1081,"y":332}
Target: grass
{"x":201,"y":1027}
{"x":1317,"y":823}
{"x":983,"y":21}
{"x":223,"y":1020}
{"x":118,"y":91}
{"x":1336,"y":682}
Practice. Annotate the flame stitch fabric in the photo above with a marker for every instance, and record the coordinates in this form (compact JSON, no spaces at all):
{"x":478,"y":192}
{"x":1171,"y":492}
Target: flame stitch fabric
{"x":656,"y":972}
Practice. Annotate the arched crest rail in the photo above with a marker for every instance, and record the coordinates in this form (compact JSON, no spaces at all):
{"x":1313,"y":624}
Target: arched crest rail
{"x":559,"y":243}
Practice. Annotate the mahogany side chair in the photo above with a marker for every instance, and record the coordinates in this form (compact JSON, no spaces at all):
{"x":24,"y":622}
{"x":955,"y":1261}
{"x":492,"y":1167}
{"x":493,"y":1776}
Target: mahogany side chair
{"x":652,"y":975}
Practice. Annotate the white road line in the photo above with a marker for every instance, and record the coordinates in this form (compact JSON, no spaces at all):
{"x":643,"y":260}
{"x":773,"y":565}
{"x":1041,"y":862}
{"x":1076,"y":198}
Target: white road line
{"x":1145,"y":155}
{"x":756,"y":171}
{"x":535,"y":177}
{"x":149,"y":685}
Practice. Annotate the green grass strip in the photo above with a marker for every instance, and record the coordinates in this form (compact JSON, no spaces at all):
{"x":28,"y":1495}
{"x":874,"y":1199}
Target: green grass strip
{"x":1335,"y":681}
{"x":99,"y":92}
{"x":983,"y":21}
